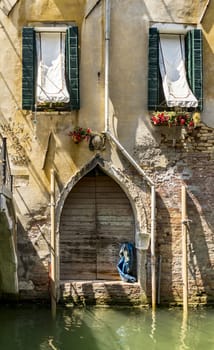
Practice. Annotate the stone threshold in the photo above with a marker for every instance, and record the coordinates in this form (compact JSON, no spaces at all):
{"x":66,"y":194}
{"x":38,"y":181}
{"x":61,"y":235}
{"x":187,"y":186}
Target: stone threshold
{"x":101,"y":292}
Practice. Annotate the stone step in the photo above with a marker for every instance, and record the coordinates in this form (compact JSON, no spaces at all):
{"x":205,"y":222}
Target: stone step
{"x":101,"y":293}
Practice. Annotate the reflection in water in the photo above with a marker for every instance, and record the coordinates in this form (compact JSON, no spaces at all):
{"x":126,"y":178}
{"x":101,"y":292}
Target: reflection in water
{"x":27,"y":327}
{"x":153,"y":326}
{"x":184,"y":326}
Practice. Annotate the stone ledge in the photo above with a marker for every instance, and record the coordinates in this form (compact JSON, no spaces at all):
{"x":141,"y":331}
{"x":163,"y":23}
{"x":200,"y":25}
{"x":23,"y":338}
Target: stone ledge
{"x":102,"y":293}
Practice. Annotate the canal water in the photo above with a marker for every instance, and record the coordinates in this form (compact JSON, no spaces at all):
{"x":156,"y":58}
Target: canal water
{"x":32,"y":328}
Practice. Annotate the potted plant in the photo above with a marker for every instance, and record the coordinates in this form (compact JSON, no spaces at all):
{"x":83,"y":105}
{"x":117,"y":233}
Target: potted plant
{"x":79,"y":134}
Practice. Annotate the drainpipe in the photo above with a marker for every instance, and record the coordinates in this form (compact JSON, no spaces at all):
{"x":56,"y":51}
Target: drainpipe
{"x":107,"y":129}
{"x":107,"y":42}
{"x":111,"y":137}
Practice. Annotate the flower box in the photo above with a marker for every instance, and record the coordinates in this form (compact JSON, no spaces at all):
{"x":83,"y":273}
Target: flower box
{"x":189,"y":120}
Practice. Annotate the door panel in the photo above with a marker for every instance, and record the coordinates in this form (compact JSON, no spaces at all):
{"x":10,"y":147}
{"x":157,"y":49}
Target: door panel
{"x":96,"y":219}
{"x":77,"y":233}
{"x":114,"y":226}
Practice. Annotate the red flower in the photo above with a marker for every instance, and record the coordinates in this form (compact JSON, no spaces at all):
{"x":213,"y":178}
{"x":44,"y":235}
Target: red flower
{"x":155,"y":120}
{"x":162,"y":117}
{"x":79,"y":134}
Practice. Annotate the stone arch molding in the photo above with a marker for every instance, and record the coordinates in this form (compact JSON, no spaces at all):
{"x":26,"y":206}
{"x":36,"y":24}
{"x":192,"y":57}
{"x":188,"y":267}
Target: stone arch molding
{"x":134,"y":186}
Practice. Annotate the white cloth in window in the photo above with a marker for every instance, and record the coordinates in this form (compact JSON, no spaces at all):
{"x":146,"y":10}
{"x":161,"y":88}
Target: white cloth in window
{"x":51,"y":85}
{"x":172,"y":67}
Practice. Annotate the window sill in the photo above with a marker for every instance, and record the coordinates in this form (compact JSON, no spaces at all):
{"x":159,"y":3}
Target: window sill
{"x":52,"y":107}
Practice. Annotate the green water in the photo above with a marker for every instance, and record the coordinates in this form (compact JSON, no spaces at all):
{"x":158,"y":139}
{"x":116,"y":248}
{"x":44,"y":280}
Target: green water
{"x":32,"y":328}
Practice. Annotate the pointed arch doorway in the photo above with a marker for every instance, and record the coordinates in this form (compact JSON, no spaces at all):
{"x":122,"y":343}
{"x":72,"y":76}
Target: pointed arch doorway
{"x":96,"y":218}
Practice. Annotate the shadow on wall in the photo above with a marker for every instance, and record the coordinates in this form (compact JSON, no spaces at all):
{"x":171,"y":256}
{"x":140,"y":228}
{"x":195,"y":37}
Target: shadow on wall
{"x":201,"y":241}
{"x":33,"y":270}
{"x":200,"y":250}
{"x":8,"y":262}
{"x":71,"y":9}
{"x":208,"y":58}
{"x":163,"y":254}
{"x":207,"y":21}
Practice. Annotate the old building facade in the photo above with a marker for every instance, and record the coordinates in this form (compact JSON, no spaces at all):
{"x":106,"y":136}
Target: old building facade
{"x":105,"y":184}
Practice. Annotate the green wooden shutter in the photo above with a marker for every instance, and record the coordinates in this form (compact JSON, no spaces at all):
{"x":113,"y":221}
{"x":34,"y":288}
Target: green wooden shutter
{"x":28,"y":68}
{"x":72,"y":67}
{"x":153,"y":69}
{"x":194,"y":64}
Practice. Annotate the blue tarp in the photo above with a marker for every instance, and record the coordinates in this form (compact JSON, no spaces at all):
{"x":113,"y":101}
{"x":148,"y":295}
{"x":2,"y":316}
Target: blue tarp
{"x":126,"y":262}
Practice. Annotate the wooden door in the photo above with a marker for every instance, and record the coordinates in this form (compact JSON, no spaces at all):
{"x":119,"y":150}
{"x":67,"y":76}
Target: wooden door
{"x":96,"y":219}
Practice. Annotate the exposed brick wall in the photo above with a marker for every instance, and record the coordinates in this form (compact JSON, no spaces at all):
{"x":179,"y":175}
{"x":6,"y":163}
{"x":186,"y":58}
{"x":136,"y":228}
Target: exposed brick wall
{"x":34,"y":256}
{"x":188,"y":162}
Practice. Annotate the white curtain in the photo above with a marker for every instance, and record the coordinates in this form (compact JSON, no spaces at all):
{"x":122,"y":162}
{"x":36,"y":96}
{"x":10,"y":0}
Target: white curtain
{"x":172,"y":67}
{"x":51,"y":85}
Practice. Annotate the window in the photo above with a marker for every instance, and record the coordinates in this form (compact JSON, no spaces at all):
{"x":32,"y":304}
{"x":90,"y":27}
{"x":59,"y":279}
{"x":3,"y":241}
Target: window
{"x":50,"y":77}
{"x":175,"y":70}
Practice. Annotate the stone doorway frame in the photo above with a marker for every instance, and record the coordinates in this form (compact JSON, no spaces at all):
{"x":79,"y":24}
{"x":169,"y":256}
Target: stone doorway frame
{"x":138,"y":192}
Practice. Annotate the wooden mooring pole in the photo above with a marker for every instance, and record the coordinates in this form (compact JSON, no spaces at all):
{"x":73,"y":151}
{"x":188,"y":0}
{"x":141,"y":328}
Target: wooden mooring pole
{"x":53,"y":247}
{"x":184,"y":252}
{"x":153,"y":256}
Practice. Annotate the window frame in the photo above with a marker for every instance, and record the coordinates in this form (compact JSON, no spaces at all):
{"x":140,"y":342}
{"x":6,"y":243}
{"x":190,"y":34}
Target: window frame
{"x":29,"y":68}
{"x":194,"y":64}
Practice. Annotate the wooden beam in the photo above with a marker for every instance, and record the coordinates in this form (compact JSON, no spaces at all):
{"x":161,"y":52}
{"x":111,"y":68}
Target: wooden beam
{"x":184,"y":251}
{"x":53,"y":247}
{"x":153,"y":256}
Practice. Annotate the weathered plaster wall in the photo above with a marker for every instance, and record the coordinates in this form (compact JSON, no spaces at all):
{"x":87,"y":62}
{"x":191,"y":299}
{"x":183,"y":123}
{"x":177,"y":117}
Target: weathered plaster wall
{"x":8,"y":258}
{"x":44,"y":141}
{"x":208,"y":31}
